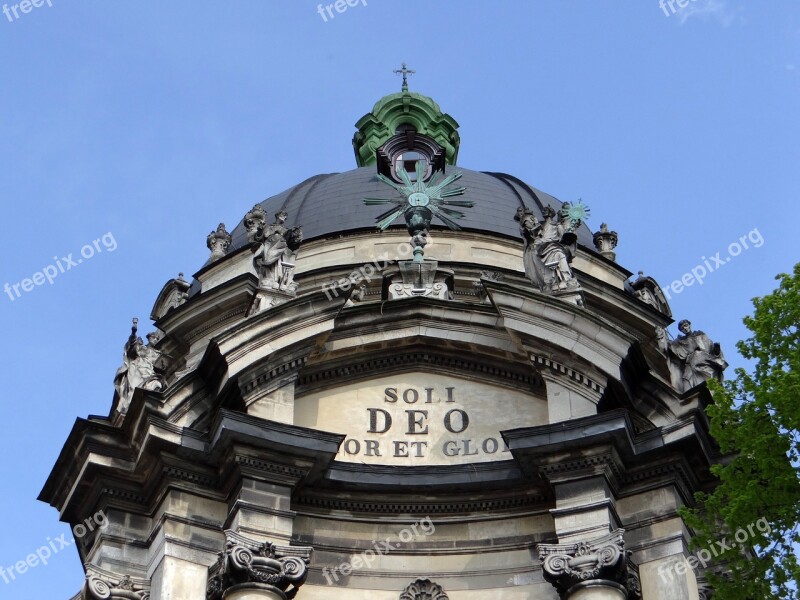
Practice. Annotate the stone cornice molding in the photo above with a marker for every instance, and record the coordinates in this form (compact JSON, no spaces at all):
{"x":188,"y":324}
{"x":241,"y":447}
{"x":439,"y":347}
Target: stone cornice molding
{"x":280,"y":569}
{"x":609,"y":445}
{"x":514,"y":375}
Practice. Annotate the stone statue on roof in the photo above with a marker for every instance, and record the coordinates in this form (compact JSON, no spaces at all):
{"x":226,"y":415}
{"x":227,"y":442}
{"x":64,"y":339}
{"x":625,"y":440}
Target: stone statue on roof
{"x":138,"y":368}
{"x":275,"y":255}
{"x":694,"y":358}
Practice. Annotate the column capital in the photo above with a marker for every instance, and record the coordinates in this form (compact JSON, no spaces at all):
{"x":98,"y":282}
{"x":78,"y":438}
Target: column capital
{"x":247,"y":561}
{"x":567,"y":565}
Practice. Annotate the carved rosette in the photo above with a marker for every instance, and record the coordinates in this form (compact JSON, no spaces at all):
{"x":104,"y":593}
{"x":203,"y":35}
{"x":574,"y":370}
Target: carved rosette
{"x":105,"y":585}
{"x":424,"y":589}
{"x":282,"y":569}
{"x":567,"y":565}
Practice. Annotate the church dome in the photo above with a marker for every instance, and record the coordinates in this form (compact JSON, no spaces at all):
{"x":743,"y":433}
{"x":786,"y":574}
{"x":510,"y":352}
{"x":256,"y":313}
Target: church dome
{"x":332,"y":204}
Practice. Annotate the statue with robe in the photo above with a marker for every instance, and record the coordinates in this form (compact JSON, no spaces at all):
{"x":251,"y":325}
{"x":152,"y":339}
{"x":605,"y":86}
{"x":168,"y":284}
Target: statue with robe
{"x":138,"y":368}
{"x":275,"y":255}
{"x":549,"y":248}
{"x":694,"y":358}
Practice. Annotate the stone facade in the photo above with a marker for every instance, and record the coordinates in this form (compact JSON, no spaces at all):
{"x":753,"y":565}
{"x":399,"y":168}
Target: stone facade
{"x":320,"y":433}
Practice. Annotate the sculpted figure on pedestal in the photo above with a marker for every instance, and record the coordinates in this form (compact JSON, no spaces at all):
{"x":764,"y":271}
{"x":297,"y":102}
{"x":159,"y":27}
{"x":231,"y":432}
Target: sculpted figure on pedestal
{"x":694,"y":358}
{"x":274,"y":257}
{"x":138,"y":368}
{"x":549,"y":248}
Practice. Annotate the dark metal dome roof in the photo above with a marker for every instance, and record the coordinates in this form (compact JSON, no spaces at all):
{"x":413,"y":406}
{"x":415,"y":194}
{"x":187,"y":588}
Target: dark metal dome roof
{"x":326,"y":205}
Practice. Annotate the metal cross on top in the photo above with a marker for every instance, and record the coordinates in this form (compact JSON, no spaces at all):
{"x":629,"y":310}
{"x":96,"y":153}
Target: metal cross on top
{"x":405,"y":72}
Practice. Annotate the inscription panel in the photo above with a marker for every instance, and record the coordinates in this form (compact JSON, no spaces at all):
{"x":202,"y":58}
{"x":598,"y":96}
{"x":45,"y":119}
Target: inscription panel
{"x":420,"y":419}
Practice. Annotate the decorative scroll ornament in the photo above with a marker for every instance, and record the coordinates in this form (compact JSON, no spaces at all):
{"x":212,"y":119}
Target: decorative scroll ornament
{"x":282,"y":569}
{"x":424,"y":589}
{"x":218,"y":242}
{"x":634,"y":583}
{"x":105,"y":585}
{"x":566,"y":565}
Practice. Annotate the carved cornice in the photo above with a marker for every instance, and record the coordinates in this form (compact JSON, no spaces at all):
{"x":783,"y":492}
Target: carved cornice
{"x":245,"y":561}
{"x":424,"y":589}
{"x":567,"y":565}
{"x":577,"y":376}
{"x":428,"y":359}
{"x":105,"y":585}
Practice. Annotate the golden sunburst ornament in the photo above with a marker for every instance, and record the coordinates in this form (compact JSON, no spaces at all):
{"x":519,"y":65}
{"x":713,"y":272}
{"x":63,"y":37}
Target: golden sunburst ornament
{"x":421,"y":200}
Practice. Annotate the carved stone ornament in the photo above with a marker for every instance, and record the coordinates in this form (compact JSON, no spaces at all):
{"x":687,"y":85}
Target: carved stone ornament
{"x":634,"y":583}
{"x":480,"y":289}
{"x":279,"y":569}
{"x":138,"y":368}
{"x":550,"y":246}
{"x":173,"y":295}
{"x":649,"y":292}
{"x":254,"y":223}
{"x":105,"y":585}
{"x":218,"y":242}
{"x":424,"y":589}
{"x":606,"y":241}
{"x":704,"y":589}
{"x":420,"y":280}
{"x":566,"y":565}
{"x":694,"y":358}
{"x":356,"y":296}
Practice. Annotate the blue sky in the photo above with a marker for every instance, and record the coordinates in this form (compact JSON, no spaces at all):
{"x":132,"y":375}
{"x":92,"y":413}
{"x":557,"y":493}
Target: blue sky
{"x":154,"y":121}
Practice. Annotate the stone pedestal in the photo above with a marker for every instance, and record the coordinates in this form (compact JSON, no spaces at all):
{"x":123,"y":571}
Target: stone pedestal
{"x":420,"y":279}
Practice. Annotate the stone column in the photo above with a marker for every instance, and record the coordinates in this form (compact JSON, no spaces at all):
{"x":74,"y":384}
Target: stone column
{"x":592,"y":570}
{"x":252,"y":570}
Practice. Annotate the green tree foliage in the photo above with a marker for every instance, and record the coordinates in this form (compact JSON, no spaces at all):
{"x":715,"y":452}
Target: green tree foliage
{"x":756,"y":416}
